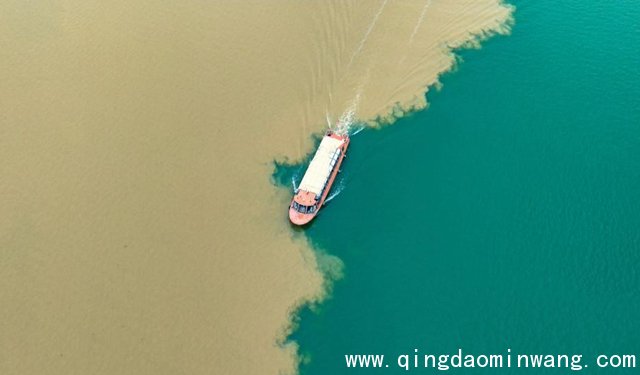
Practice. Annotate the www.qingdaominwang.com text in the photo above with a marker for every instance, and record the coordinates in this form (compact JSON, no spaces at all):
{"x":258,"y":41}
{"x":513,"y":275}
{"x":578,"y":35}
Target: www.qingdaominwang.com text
{"x":444,"y":362}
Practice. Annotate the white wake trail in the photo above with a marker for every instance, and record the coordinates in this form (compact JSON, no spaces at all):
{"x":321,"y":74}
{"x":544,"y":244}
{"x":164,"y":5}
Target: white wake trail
{"x":366,"y":35}
{"x":420,"y":20}
{"x":349,"y":115}
{"x":415,"y":30}
{"x":328,"y":119}
{"x":338,"y":190}
{"x":358,"y":130}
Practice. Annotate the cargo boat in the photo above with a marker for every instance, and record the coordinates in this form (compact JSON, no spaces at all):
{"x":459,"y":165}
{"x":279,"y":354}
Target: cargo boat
{"x":320,"y":175}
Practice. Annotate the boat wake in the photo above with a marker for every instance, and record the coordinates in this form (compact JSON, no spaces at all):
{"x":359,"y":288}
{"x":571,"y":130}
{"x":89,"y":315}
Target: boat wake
{"x":367,"y":33}
{"x":358,"y":130}
{"x":348,"y":117}
{"x":420,"y":21}
{"x":338,"y":189}
{"x":415,"y":30}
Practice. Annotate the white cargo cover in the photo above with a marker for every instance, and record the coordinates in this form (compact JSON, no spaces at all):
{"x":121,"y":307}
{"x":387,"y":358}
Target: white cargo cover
{"x":321,"y":165}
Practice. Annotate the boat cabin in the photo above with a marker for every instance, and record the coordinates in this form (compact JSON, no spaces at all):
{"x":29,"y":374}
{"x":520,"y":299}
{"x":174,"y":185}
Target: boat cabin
{"x":305,"y":202}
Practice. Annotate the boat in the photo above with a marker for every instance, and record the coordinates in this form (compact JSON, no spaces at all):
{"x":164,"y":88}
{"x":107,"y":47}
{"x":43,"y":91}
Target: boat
{"x":320,"y":175}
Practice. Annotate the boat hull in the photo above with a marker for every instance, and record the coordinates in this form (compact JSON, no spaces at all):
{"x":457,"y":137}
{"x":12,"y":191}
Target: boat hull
{"x":299,"y":218}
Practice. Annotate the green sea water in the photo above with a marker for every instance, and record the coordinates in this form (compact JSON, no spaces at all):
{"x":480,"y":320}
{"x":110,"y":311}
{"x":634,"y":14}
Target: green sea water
{"x":505,"y":216}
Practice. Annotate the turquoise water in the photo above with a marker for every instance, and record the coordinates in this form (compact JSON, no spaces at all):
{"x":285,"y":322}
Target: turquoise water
{"x":507,"y":215}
